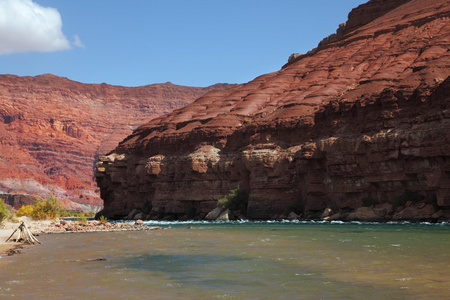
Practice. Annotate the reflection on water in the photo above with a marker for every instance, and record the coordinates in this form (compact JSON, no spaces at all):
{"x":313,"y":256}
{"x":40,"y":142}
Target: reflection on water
{"x":263,"y":260}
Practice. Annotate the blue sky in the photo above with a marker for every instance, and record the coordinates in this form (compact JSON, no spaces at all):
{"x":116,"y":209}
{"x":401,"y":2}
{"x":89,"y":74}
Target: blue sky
{"x":139,"y":42}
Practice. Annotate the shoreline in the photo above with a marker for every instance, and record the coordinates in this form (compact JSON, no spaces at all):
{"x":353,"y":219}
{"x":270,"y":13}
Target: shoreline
{"x":61,"y":227}
{"x":42,"y":227}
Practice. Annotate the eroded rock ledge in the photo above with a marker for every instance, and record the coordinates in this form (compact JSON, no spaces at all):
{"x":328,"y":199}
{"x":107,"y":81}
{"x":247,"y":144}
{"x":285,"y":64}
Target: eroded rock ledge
{"x":366,"y":116}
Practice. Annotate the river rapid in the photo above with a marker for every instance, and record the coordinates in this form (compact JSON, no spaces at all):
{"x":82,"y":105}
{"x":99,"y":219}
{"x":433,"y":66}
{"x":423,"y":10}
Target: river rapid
{"x":236,"y":260}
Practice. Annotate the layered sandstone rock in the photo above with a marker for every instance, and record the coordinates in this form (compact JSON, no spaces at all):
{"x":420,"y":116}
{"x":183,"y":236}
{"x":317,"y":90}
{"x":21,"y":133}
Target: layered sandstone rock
{"x":52,"y":129}
{"x":362,"y":15}
{"x":366,"y":115}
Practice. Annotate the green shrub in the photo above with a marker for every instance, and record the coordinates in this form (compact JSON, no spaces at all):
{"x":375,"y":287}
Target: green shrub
{"x":25,"y":210}
{"x":103,"y":219}
{"x":368,"y":201}
{"x":4,"y":211}
{"x":47,"y":209}
{"x":407,"y":195}
{"x":75,"y":214}
{"x":81,"y":219}
{"x":223,"y":202}
{"x":237,"y":199}
{"x":50,"y":208}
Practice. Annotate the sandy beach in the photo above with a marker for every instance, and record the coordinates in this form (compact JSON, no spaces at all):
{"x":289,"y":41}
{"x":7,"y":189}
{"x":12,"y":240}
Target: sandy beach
{"x":6,"y":229}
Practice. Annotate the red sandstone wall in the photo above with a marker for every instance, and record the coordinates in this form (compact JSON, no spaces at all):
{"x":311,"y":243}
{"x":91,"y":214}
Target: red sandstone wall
{"x":364,"y":116}
{"x":52,"y":129}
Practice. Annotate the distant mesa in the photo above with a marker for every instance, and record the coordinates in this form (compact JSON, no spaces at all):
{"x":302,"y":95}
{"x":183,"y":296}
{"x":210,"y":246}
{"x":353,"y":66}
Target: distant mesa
{"x":52,"y":129}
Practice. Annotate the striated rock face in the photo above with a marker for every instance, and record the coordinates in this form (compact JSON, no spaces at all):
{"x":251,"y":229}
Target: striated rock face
{"x":370,"y":11}
{"x":52,"y":129}
{"x":365,"y":116}
{"x":362,"y":15}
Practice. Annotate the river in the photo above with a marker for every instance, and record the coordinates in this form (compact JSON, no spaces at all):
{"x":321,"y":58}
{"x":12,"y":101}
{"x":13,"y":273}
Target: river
{"x":237,"y":260}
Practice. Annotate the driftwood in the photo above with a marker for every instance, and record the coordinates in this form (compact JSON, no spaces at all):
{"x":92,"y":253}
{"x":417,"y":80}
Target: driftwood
{"x":24,"y":235}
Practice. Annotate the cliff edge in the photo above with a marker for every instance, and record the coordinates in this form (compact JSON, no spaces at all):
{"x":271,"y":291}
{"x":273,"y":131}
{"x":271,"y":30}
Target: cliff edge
{"x":361,"y":119}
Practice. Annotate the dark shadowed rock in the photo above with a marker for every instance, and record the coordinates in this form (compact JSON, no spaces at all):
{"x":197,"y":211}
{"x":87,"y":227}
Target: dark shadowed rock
{"x":415,"y":213}
{"x":367,"y":214}
{"x":293,"y":216}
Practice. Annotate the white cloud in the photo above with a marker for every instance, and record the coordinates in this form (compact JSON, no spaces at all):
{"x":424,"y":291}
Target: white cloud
{"x":77,"y":42}
{"x":26,"y":26}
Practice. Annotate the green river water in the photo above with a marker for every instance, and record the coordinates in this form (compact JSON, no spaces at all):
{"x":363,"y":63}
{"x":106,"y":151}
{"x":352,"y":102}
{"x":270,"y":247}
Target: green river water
{"x":241,"y":260}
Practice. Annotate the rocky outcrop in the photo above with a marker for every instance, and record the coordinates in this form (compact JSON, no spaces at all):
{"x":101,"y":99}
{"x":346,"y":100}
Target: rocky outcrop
{"x":364,"y":116}
{"x":52,"y":129}
{"x":370,"y":11}
{"x":358,"y":17}
{"x":17,"y":200}
{"x":332,"y":37}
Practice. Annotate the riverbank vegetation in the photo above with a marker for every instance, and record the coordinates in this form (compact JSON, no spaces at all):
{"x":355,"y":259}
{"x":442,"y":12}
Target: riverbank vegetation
{"x":236,"y":200}
{"x":42,"y":209}
{"x":4,"y":211}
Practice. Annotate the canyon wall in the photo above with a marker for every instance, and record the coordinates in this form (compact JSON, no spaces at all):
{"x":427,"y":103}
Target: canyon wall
{"x":52,"y":129}
{"x":366,"y":116}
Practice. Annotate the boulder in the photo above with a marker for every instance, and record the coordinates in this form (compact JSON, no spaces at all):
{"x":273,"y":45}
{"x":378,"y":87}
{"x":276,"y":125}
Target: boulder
{"x":364,"y":214}
{"x":386,"y":206}
{"x":415,"y":213}
{"x":380,"y":212}
{"x":131,"y":214}
{"x":293,"y":216}
{"x":333,"y":217}
{"x":139,"y":216}
{"x":326,"y":213}
{"x":443,"y":215}
{"x":214,"y":214}
{"x":225,"y":215}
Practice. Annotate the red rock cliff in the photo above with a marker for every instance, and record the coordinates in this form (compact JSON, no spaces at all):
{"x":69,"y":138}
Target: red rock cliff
{"x":52,"y":128}
{"x":364,"y":116}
